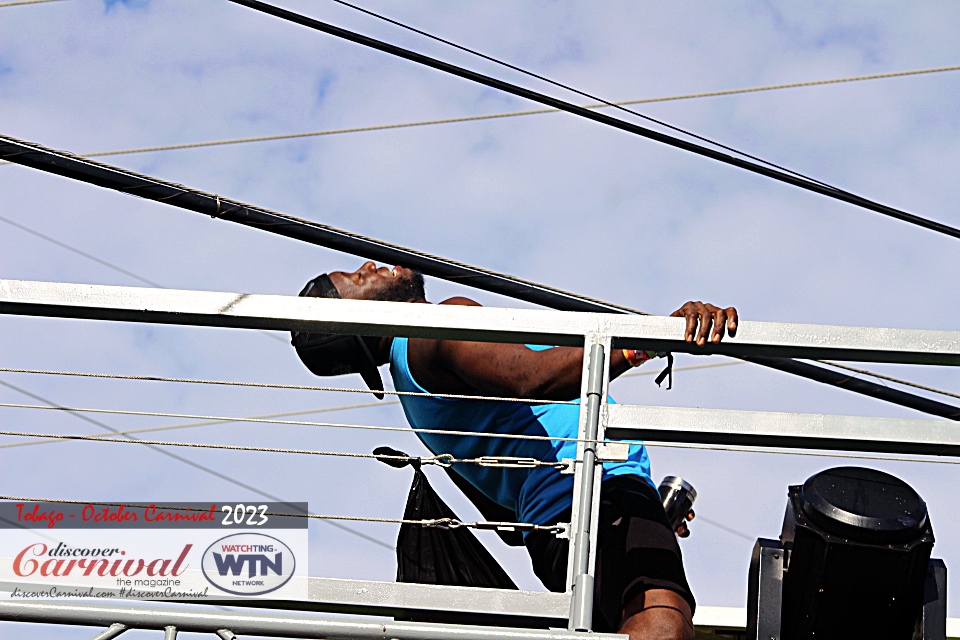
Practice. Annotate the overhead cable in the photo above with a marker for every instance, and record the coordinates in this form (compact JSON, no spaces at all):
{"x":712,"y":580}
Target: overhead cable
{"x":446,"y":460}
{"x":271,"y":385}
{"x":858,"y":385}
{"x":331,"y":425}
{"x":508,"y":114}
{"x":271,"y":335}
{"x":605,"y":103}
{"x":93,"y":172}
{"x":100,"y":261}
{"x":63,"y":245}
{"x":442,"y":459}
{"x":208,"y":423}
{"x":15,"y":3}
{"x":196,"y":465}
{"x":890,"y":378}
{"x":447,"y":432}
{"x":776,"y":174}
{"x":799,"y":452}
{"x":452,"y":396}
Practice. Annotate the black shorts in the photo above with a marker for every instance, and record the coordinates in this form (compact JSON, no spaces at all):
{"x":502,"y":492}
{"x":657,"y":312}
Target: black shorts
{"x":636,"y":551}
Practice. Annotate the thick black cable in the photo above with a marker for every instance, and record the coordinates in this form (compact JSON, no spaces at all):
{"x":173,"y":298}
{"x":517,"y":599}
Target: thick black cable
{"x":92,"y":172}
{"x":613,"y":105}
{"x":603,"y":118}
{"x":859,"y":385}
{"x":104,"y":175}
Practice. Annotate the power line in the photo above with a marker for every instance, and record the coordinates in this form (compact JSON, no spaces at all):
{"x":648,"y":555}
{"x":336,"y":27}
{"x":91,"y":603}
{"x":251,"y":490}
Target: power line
{"x":890,"y":378}
{"x":798,"y":452}
{"x":440,"y":459}
{"x":207,"y":423}
{"x":187,"y":461}
{"x":19,"y":2}
{"x":486,"y":461}
{"x":776,"y":174}
{"x":272,"y":385}
{"x":111,"y":177}
{"x":331,"y":425}
{"x":605,"y":103}
{"x":508,"y":114}
{"x":64,"y":245}
{"x":724,"y":527}
{"x":304,"y":387}
{"x":102,"y":262}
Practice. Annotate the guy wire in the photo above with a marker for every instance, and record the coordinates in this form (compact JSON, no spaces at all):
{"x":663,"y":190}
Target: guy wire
{"x":605,"y":103}
{"x":508,"y":114}
{"x":196,"y":465}
{"x":776,"y":174}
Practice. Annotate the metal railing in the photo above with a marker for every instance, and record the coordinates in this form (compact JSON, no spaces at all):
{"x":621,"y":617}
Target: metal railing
{"x":598,"y":334}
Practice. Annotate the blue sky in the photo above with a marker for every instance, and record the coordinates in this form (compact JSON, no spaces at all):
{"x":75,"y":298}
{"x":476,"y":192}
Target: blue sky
{"x":550,"y":198}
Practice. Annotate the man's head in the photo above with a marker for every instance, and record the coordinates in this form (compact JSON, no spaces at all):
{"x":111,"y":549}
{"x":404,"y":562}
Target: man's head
{"x":331,"y":355}
{"x":371,"y":283}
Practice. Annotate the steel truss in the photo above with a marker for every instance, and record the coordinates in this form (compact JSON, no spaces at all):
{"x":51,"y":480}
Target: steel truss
{"x":598,"y":333}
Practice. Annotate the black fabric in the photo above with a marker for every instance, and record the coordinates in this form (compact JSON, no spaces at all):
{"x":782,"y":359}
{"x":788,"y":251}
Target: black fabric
{"x":637,"y":550}
{"x":428,"y":555}
{"x":333,"y":355}
{"x":488,"y":508}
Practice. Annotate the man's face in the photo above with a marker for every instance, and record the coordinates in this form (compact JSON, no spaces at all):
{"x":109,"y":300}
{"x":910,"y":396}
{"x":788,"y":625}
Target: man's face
{"x":370,"y":283}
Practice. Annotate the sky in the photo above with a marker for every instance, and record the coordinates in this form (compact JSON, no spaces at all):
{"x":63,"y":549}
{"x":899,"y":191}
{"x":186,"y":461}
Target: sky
{"x":550,"y":198}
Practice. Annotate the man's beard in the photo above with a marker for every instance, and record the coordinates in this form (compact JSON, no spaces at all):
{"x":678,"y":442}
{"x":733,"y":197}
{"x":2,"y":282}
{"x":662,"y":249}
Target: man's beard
{"x":404,"y":289}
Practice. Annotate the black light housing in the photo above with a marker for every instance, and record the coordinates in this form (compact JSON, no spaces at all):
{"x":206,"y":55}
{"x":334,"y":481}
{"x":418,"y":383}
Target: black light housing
{"x":854,"y":560}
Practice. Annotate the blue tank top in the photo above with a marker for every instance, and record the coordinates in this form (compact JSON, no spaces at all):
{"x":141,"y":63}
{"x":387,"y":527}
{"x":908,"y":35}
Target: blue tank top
{"x":537,"y":495}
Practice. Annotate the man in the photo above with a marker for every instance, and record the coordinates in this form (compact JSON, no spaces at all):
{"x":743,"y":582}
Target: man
{"x":641,"y":588}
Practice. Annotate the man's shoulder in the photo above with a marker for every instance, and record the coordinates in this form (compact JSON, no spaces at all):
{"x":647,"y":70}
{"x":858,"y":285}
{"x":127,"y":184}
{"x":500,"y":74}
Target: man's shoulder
{"x":462,"y":301}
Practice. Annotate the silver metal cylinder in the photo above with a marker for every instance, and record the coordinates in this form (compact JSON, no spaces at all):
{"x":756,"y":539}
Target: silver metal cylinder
{"x":678,"y":496}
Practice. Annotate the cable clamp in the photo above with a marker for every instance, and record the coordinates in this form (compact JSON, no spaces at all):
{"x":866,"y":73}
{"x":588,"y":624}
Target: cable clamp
{"x":217,"y":213}
{"x":444,"y":460}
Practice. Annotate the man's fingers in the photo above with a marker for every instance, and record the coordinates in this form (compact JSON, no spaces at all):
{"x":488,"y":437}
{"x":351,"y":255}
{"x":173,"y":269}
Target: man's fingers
{"x":719,"y":324}
{"x":732,"y":320}
{"x":706,"y":322}
{"x":691,"y":515}
{"x":692,"y":318}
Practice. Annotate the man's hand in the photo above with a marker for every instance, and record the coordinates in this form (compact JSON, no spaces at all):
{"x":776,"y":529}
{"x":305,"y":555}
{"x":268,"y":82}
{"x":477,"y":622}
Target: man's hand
{"x":684,"y":529}
{"x":707,"y":316}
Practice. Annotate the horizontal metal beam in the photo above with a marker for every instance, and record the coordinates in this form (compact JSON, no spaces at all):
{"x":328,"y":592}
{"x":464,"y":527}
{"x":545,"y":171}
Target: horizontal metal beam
{"x":789,"y":430}
{"x":370,"y":597}
{"x":207,"y":619}
{"x":203,"y":308}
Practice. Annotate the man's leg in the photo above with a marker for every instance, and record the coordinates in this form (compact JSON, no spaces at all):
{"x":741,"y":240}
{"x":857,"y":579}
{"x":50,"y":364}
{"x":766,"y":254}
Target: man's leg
{"x":657,"y":614}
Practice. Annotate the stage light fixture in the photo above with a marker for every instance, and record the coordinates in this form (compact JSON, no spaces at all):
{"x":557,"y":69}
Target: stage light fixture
{"x":853,"y":560}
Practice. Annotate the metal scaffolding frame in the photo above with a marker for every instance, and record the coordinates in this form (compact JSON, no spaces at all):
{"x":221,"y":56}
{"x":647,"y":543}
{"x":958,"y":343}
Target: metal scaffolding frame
{"x":598,"y":334}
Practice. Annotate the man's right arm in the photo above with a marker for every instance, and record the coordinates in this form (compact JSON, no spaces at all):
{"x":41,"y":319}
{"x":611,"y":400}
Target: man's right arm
{"x":515,"y":371}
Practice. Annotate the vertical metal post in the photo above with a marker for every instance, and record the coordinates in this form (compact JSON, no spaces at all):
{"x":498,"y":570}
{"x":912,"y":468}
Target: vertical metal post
{"x":581,"y":607}
{"x":111,"y":632}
